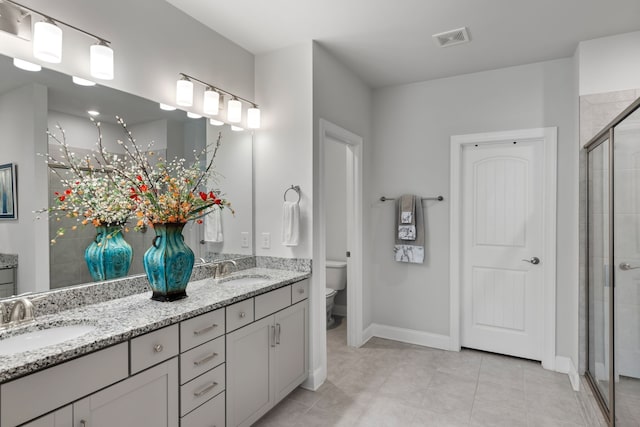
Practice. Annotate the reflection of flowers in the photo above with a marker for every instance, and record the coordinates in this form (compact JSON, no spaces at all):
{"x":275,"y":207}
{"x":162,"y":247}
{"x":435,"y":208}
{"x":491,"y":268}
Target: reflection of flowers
{"x":167,"y":192}
{"x":91,"y":194}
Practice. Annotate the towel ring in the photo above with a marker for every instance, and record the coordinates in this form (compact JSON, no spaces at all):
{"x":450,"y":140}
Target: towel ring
{"x":295,"y":188}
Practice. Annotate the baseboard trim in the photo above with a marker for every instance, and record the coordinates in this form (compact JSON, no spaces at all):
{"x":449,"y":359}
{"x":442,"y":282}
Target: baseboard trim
{"x":411,"y":336}
{"x":315,"y":379}
{"x":565,"y":365}
{"x":367,"y":334}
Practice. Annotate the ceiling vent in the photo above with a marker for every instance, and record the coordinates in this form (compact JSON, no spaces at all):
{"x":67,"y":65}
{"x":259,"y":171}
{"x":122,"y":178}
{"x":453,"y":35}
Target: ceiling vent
{"x":453,"y":37}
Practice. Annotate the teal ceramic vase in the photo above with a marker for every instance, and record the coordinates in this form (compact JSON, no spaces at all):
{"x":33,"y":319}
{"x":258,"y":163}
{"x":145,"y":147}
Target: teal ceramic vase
{"x":168,"y":263}
{"x":109,"y":255}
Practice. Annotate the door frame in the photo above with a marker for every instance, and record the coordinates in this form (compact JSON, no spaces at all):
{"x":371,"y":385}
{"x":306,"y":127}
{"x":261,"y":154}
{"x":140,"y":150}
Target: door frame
{"x":548,"y":137}
{"x":329,"y":131}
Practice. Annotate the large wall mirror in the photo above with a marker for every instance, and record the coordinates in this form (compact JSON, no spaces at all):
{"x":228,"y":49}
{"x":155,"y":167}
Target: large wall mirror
{"x":173,"y":134}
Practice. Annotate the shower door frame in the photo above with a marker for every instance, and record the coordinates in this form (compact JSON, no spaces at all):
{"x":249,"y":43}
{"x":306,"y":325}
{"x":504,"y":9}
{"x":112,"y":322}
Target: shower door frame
{"x":607,"y":133}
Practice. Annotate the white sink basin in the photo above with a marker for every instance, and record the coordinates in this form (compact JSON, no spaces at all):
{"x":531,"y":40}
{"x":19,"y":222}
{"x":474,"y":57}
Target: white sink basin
{"x":42,"y":338}
{"x":245,"y":280}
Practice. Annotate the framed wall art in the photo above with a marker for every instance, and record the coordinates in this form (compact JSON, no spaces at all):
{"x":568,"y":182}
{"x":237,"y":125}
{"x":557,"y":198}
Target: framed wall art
{"x":8,"y":191}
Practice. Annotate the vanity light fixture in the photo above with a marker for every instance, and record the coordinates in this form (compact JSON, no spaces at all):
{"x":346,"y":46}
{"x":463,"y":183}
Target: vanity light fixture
{"x":214,"y":122}
{"x":193,"y":115}
{"x":26,"y":65}
{"x":82,"y":82}
{"x":213,"y":101}
{"x":93,"y":113}
{"x":236,"y":128}
{"x":167,"y":107}
{"x":47,"y":42}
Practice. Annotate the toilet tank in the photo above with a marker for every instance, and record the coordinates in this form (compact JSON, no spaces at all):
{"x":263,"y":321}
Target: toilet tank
{"x":336,"y":274}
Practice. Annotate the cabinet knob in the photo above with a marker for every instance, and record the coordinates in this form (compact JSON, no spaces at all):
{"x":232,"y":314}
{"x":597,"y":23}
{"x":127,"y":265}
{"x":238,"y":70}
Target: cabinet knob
{"x":243,"y":314}
{"x":158,"y":348}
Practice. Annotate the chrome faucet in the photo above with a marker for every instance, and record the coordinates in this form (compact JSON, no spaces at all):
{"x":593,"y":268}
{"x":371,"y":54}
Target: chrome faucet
{"x":15,"y":311}
{"x":222,"y":268}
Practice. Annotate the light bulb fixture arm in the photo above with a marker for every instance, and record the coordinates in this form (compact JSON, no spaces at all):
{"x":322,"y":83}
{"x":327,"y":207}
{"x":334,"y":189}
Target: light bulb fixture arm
{"x":57,"y":21}
{"x":209,"y":85}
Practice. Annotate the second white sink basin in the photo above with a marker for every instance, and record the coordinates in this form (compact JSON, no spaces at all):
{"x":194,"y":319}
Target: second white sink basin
{"x":245,"y":280}
{"x":42,"y":338}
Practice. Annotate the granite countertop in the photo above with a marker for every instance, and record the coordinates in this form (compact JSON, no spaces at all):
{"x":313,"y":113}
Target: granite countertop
{"x":8,"y":261}
{"x":120,"y":319}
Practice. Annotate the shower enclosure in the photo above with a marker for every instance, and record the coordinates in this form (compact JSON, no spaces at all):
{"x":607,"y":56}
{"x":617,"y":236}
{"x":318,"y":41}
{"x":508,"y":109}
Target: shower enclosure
{"x":613,"y":268}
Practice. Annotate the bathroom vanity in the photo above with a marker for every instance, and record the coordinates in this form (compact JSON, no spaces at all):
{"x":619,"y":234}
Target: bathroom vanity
{"x":8,"y":275}
{"x":223,"y":356}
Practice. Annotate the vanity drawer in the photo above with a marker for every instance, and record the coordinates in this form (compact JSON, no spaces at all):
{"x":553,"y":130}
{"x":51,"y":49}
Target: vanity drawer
{"x":200,"y":359}
{"x":211,"y":414}
{"x":299,"y":291}
{"x":153,"y":348}
{"x":199,"y":390}
{"x":6,"y":275}
{"x":273,"y":301}
{"x":239,"y":314}
{"x":201,"y":329}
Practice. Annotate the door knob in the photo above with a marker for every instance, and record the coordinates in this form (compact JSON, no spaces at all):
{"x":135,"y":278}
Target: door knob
{"x":626,"y":266}
{"x":535,"y":260}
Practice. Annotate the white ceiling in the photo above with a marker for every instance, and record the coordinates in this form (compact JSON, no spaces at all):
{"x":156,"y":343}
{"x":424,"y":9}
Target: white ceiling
{"x":389,"y":42}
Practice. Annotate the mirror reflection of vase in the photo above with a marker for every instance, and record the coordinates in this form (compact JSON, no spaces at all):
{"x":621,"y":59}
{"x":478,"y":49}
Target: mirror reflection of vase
{"x":168,"y":263}
{"x":108,"y":256}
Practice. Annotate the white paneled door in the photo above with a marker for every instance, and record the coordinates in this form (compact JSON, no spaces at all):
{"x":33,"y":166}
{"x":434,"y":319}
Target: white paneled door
{"x":502,"y":248}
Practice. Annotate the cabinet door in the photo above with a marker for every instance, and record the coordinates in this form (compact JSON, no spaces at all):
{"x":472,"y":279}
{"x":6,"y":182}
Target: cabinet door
{"x":249,"y":361}
{"x":63,"y":417}
{"x":149,"y":398}
{"x":291,"y":351}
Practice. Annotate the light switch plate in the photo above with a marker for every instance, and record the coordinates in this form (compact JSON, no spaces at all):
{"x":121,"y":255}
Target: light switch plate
{"x":244,"y":239}
{"x":266,"y":240}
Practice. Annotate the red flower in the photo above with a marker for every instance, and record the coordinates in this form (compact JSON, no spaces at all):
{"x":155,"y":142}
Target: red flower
{"x":56,"y":193}
{"x":144,"y":187}
{"x":199,"y":221}
{"x":203,"y":196}
{"x":139,"y":178}
{"x":62,"y":198}
{"x":67,"y":191}
{"x":217,"y":201}
{"x":211,"y":195}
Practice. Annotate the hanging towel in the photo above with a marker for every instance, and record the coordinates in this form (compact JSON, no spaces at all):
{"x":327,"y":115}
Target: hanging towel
{"x":213,"y":227}
{"x":409,"y":246}
{"x":290,"y":223}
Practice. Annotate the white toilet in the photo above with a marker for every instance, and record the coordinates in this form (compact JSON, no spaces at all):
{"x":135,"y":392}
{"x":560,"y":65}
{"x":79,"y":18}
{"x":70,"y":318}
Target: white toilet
{"x":336,"y":281}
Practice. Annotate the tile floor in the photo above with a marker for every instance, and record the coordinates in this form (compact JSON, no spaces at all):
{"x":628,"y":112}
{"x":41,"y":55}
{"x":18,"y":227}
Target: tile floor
{"x":387,"y":383}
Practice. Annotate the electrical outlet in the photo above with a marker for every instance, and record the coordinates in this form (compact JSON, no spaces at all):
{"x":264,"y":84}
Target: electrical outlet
{"x":266,"y":240}
{"x":244,"y":239}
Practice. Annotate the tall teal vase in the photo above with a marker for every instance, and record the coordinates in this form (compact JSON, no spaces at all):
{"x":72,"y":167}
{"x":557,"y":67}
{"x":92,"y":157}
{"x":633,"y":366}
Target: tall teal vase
{"x":109,"y":255}
{"x":168,"y":263}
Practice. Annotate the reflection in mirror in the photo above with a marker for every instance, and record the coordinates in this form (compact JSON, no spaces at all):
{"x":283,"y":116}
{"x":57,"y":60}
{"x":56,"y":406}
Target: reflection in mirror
{"x":173,"y":135}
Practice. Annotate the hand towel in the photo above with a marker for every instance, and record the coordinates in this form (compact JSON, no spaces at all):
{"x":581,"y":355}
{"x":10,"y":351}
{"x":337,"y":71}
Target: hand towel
{"x":213,"y":227}
{"x":407,"y":207}
{"x":290,"y":223}
{"x":406,"y":249}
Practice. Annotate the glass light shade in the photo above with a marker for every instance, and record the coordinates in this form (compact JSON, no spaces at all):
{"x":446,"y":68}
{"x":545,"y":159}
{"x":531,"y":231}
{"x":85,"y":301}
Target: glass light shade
{"x":26,"y":65}
{"x":234,"y":111}
{"x":211,"y":102}
{"x":253,"y":118}
{"x":193,"y":115}
{"x":214,"y":122}
{"x":82,"y":82}
{"x":236,"y":128}
{"x":93,"y":113}
{"x":47,"y":42}
{"x":101,"y":61}
{"x":184,"y":92}
{"x":167,"y":107}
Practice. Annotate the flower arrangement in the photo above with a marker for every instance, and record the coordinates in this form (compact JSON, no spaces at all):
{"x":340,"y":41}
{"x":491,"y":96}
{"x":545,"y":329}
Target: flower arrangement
{"x":89,"y":195}
{"x":164,"y":192}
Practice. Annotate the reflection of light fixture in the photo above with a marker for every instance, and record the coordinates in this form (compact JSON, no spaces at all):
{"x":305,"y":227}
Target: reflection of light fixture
{"x":184,"y":92}
{"x":47,"y":41}
{"x":101,"y":60}
{"x":93,"y":113}
{"x":236,"y":128}
{"x":214,"y":122}
{"x":211,"y":102}
{"x":253,"y":117}
{"x":166,"y":107}
{"x":234,"y":110}
{"x":26,"y":65}
{"x":82,"y":82}
{"x":193,"y":115}
{"x":214,"y":101}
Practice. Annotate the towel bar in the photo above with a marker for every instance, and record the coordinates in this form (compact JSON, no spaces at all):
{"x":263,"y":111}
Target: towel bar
{"x":438,"y":198}
{"x":295,"y":188}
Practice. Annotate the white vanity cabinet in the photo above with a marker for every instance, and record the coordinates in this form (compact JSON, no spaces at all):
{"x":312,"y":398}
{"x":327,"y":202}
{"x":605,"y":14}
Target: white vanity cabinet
{"x":266,"y":360}
{"x":63,"y":417}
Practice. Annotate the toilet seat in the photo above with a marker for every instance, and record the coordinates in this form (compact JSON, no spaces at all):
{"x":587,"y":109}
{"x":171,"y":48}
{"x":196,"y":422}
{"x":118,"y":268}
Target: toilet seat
{"x":330,"y":292}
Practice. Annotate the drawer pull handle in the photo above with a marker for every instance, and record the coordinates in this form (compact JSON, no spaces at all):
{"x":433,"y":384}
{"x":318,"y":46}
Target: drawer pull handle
{"x":158,"y":348}
{"x":277,"y":333}
{"x":207,"y":388}
{"x":205,"y":330}
{"x":273,"y":336}
{"x":243,"y":314}
{"x":205,"y":359}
